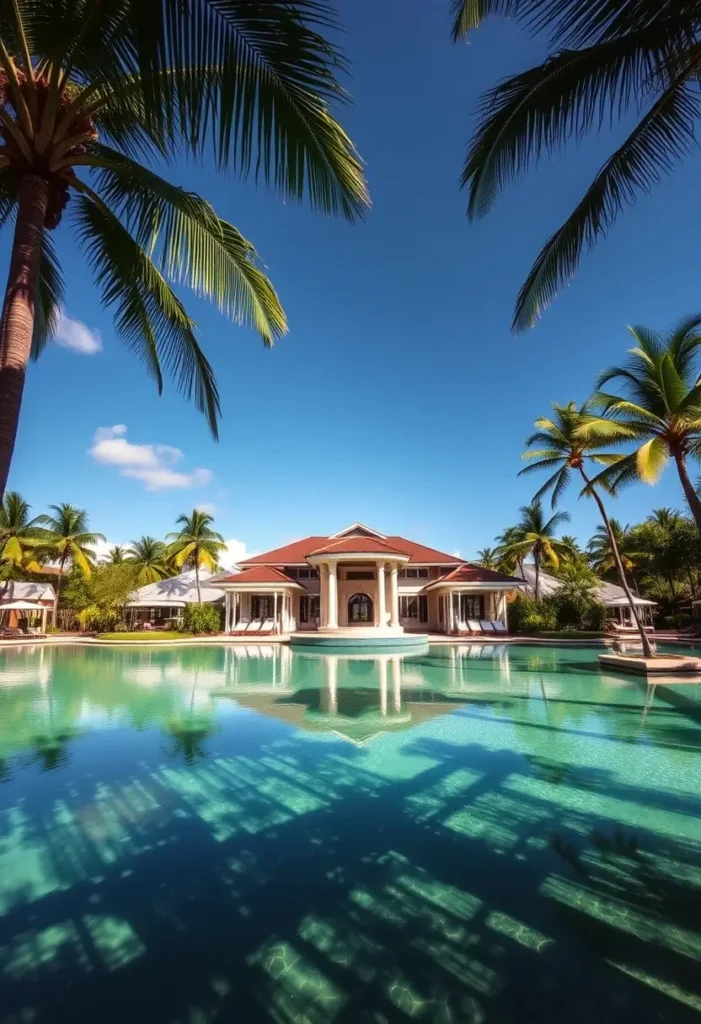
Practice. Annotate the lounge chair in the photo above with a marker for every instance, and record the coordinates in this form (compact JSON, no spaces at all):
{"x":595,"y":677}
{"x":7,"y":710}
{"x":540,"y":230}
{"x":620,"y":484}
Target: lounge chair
{"x":268,"y":626}
{"x":474,"y":626}
{"x":36,"y":633}
{"x":11,"y":631}
{"x":486,"y":626}
{"x":254,"y":627}
{"x":499,"y":627}
{"x":240,"y":627}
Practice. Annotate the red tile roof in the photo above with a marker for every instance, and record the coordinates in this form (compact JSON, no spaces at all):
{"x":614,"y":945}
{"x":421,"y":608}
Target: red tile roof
{"x":296,"y":553}
{"x":468,"y":573}
{"x":259,"y":574}
{"x":359,"y":545}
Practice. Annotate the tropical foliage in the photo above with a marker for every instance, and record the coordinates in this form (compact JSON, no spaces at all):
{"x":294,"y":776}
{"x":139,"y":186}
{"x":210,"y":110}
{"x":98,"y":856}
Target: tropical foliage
{"x":148,"y":555}
{"x":536,"y":538}
{"x":92,"y":97}
{"x":20,"y":536}
{"x":67,"y":541}
{"x":609,"y":60}
{"x":196,"y":544}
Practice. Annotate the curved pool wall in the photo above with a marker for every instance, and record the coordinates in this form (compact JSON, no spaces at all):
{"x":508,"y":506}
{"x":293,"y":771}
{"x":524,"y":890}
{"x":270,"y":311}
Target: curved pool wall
{"x":415,"y":642}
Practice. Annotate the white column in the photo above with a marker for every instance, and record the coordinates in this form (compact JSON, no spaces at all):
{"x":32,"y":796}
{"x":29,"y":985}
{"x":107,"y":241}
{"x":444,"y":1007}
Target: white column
{"x":394,"y":596}
{"x":381,"y":595}
{"x":44,"y":611}
{"x":276,"y":624}
{"x":323,"y":594}
{"x":451,"y":617}
{"x":333,"y":597}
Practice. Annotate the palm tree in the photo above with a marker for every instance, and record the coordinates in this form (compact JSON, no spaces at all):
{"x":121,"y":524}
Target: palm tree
{"x":601,"y":553}
{"x":504,"y":542}
{"x":564,"y":443}
{"x":149,"y":556}
{"x":196,"y":544}
{"x":488,"y":558}
{"x":661,"y":406}
{"x":116,"y":555}
{"x":609,"y":60}
{"x":537,"y":539}
{"x":66,"y":540}
{"x":19,"y":535}
{"x":90,"y":89}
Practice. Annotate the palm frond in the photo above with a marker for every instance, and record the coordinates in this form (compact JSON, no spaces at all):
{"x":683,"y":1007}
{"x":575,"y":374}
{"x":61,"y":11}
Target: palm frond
{"x":49,"y":297}
{"x":538,"y":110}
{"x":149,"y":317}
{"x":651,"y":459}
{"x":190,"y":243}
{"x":664,"y":135}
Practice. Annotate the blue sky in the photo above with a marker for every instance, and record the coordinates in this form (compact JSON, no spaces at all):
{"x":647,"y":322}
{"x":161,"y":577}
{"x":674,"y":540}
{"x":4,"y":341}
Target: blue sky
{"x":399,"y":398}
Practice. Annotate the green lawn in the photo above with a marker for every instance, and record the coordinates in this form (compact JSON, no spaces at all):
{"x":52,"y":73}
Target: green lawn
{"x":146,"y":634}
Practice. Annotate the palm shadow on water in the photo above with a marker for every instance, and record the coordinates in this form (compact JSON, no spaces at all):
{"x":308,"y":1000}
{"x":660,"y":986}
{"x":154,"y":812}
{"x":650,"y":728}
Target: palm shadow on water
{"x":298,"y":885}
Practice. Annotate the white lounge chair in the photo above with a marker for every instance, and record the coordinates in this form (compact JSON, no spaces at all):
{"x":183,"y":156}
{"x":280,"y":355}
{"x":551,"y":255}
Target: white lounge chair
{"x":486,"y":626}
{"x":255,"y":626}
{"x":474,"y":626}
{"x":498,"y":626}
{"x":241,"y":626}
{"x":268,"y":626}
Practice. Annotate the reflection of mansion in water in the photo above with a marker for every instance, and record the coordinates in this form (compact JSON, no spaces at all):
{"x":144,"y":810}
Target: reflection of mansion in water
{"x":361,"y":582}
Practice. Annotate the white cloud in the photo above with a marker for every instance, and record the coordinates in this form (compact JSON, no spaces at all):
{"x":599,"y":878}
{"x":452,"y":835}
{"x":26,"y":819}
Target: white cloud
{"x":152,"y":464}
{"x":456,"y":554}
{"x":206,"y":506}
{"x":77,"y":336}
{"x":236,"y":551}
{"x":102,"y":548}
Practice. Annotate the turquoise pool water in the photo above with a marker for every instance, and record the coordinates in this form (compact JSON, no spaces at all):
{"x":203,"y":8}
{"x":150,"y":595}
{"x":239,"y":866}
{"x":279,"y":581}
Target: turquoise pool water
{"x":211,"y":834}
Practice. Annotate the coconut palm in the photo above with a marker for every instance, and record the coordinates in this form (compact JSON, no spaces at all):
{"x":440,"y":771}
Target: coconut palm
{"x":93,"y":93}
{"x":116,"y":555}
{"x":537,"y":539}
{"x":488,"y":558}
{"x":66,"y":540}
{"x":505,"y":540}
{"x":20,"y":536}
{"x":609,"y":60}
{"x":149,"y":556}
{"x":660,"y":408}
{"x":601,"y":553}
{"x":196,"y":544}
{"x":562,"y":444}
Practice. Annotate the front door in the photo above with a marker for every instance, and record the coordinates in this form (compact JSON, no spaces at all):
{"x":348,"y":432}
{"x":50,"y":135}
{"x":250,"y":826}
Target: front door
{"x":360,"y":610}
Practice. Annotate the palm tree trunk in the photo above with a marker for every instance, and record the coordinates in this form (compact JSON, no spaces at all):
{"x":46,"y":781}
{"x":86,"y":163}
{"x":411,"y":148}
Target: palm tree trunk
{"x":689,"y":490}
{"x":59,"y":581}
{"x":17,"y":323}
{"x":536,"y":559}
{"x":645,"y":640}
{"x":197,"y":580}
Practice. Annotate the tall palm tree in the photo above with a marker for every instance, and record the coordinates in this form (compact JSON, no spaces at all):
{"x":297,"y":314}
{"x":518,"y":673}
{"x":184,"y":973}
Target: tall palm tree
{"x":91,"y":88}
{"x":562,"y":445}
{"x":609,"y":60}
{"x":538,"y":539}
{"x":67,"y":541}
{"x":20,"y":536}
{"x":601,"y":553}
{"x":116,"y":555}
{"x":196,"y":544}
{"x":149,"y":556}
{"x":488,"y":558}
{"x":660,"y":409}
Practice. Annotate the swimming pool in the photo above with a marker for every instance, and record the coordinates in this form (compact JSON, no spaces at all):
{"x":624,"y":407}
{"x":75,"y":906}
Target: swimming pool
{"x":210,"y":833}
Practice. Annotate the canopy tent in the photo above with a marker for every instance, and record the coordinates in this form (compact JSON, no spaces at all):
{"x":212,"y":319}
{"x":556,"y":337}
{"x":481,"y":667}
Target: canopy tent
{"x":26,"y":606}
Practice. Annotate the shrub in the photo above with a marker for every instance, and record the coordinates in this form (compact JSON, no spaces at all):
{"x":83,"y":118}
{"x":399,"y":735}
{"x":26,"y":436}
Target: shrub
{"x":202,"y":618}
{"x":578,"y":612}
{"x":526,"y":615}
{"x":98,"y":619}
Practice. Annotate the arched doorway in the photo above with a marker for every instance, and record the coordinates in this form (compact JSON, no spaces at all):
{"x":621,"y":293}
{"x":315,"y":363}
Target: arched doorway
{"x":360,"y":610}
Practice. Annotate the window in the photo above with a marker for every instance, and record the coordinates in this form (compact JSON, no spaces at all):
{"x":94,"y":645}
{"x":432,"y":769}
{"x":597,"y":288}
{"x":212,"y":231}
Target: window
{"x":414,"y":574}
{"x":360,"y":574}
{"x":445,"y":569}
{"x":415,"y":608}
{"x":471,"y":607}
{"x":262,"y":606}
{"x":309,"y":609}
{"x":301,"y":572}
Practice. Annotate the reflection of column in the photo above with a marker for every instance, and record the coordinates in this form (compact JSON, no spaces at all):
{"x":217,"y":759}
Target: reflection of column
{"x":276,"y":624}
{"x":394,"y":596}
{"x":381,"y":596}
{"x":382,"y":669}
{"x":332,"y":615}
{"x":397,"y":683}
{"x":331,"y":681}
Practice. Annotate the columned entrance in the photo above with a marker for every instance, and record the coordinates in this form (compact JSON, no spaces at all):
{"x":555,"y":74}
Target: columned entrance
{"x":361,"y":610}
